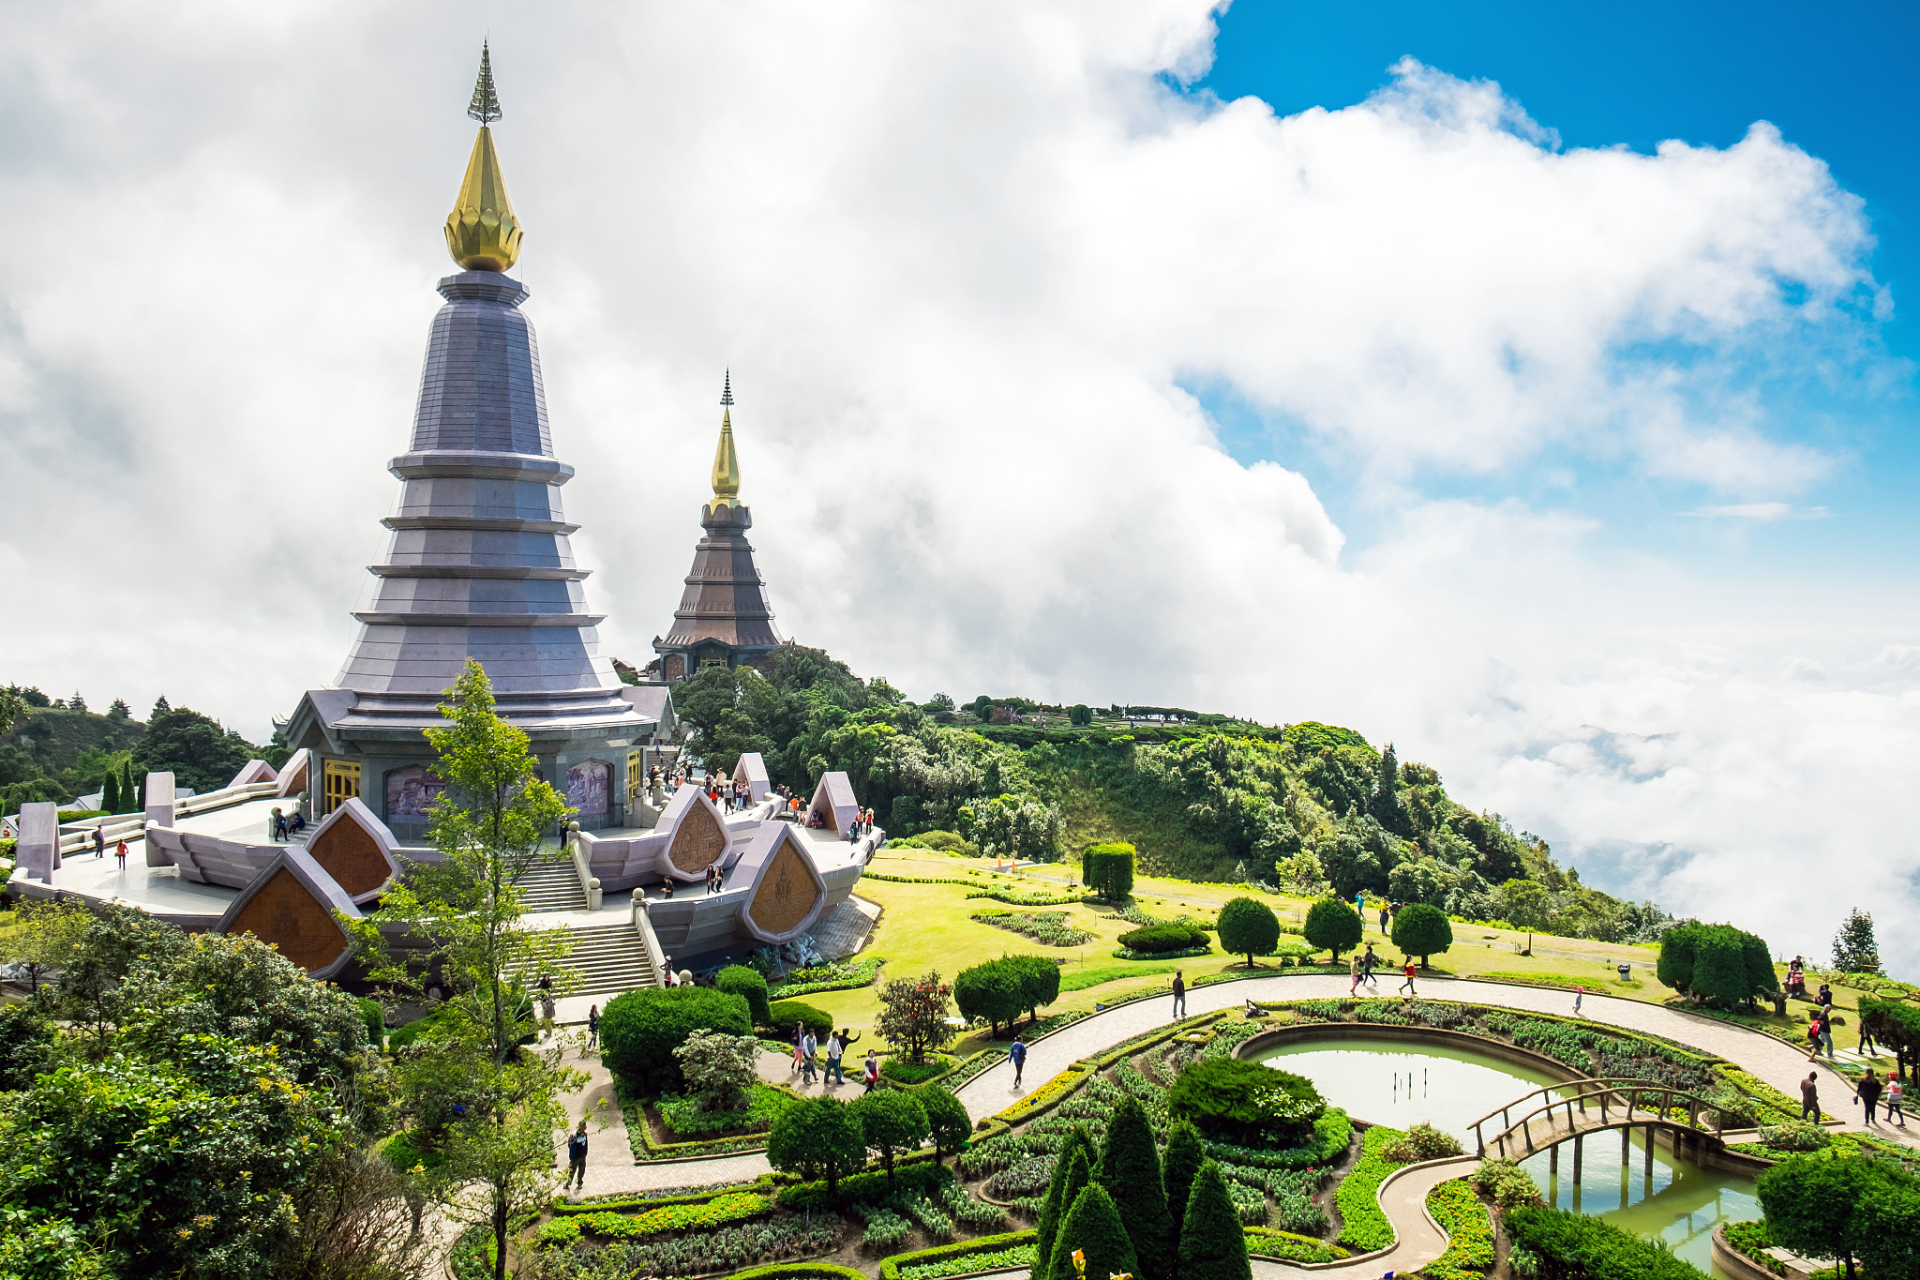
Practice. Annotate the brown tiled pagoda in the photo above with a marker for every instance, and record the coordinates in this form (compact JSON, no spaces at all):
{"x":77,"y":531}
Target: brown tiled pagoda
{"x":724,"y":619}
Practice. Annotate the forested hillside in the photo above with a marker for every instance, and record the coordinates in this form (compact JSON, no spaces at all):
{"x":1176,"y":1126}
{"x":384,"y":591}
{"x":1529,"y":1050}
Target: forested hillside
{"x":1201,"y":797}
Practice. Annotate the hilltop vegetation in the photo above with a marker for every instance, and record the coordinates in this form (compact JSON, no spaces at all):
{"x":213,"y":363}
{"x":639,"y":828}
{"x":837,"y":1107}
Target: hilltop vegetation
{"x":1305,"y":807}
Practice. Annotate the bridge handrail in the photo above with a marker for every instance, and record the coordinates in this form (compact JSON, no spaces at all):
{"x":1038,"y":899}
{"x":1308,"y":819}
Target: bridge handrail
{"x":1586,"y":1087}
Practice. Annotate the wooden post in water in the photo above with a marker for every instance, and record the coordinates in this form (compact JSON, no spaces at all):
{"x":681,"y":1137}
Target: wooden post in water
{"x":1649,"y":1174}
{"x":1578,"y":1138}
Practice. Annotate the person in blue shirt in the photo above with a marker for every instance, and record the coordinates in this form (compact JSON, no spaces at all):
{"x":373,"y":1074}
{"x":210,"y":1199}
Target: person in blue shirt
{"x":1018,"y":1054}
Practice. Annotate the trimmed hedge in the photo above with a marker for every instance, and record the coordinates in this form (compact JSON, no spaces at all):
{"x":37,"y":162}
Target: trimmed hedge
{"x":800,"y":1271}
{"x":723,"y":1209}
{"x":639,"y":1030}
{"x":784,"y":1013}
{"x":1245,"y":1102}
{"x":1285,"y":1246}
{"x":1572,"y":1246}
{"x":890,"y":1267}
{"x":1358,"y":1197}
{"x":1155,"y":939}
{"x":918,"y":1172}
{"x":1107,"y":869}
{"x":738,"y":980}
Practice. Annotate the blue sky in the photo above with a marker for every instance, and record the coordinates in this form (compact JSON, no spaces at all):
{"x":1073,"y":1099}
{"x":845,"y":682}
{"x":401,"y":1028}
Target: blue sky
{"x":1838,"y":82}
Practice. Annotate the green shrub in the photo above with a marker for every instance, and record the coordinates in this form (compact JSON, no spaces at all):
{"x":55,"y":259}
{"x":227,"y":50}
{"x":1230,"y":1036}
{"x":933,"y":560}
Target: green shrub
{"x":1155,"y":939}
{"x":819,"y":1138}
{"x":1246,"y":1102}
{"x":1107,"y":869}
{"x":865,"y":1188}
{"x":947,"y":842}
{"x":737,"y":979}
{"x":983,"y":1253}
{"x":893,"y":1121}
{"x":1506,"y":1184}
{"x":685,"y":1120}
{"x":785,"y":1013}
{"x":1422,"y":930}
{"x":1358,"y":1197}
{"x":948,"y":1123}
{"x":1794,"y":1135}
{"x":1422,"y":1142}
{"x":734,"y":1207}
{"x":376,"y":1019}
{"x":1716,"y":963}
{"x":1572,"y":1245}
{"x":400,"y":1037}
{"x":639,"y":1030}
{"x":1130,"y":1171}
{"x":1248,"y":928}
{"x":1289,"y":1247}
{"x":1469,"y":1253}
{"x":904,"y":1072}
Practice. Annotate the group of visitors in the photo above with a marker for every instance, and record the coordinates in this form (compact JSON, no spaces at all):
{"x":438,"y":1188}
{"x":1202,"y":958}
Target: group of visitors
{"x":1868,"y":1093}
{"x":731,"y":797}
{"x":715,"y":877}
{"x":862,"y":823}
{"x":1360,"y":969}
{"x":806,"y":1047}
{"x":119,"y":850}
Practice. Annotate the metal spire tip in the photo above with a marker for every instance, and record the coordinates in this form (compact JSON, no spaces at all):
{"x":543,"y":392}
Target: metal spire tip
{"x":485,"y":106}
{"x":726,"y":393}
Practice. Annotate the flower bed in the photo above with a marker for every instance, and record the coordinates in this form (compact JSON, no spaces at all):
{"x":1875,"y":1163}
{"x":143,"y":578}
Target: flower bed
{"x":1048,"y":928}
{"x":1358,"y":1198}
{"x":942,"y":1260}
{"x":1469,"y":1233}
{"x":686,"y":1121}
{"x":842,"y":975}
{"x":1751,"y":1240}
{"x":1285,"y":1246}
{"x":1127,"y":953}
{"x":1015,"y":898}
{"x":733,"y":1207}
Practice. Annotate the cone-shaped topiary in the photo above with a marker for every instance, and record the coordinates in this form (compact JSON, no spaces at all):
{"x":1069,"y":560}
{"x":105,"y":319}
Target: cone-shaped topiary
{"x":1072,"y":1169}
{"x":1185,"y":1154}
{"x":1130,"y":1171}
{"x":1093,"y":1227}
{"x":1211,"y":1244}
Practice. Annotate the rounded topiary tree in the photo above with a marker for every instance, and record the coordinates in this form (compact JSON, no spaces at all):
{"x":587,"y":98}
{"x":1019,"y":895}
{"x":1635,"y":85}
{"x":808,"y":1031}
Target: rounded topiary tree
{"x":818,"y":1138}
{"x":739,"y":980}
{"x":639,"y":1030}
{"x":893,"y":1121}
{"x":1231,"y":1100}
{"x":1422,"y":930}
{"x":1038,"y":981}
{"x":1092,"y":1228}
{"x":989,"y":992}
{"x":948,"y":1123}
{"x":1248,"y":928}
{"x":1333,"y":925}
{"x":1212,"y":1246}
{"x":1107,"y":869}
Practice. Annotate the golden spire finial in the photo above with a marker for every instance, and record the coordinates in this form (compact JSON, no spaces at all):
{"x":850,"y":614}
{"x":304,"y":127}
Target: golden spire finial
{"x":726,"y":464}
{"x":482,"y":233}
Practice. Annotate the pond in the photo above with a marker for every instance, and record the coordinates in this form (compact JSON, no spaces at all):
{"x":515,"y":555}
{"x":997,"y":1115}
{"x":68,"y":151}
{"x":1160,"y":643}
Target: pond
{"x":1393,"y":1083}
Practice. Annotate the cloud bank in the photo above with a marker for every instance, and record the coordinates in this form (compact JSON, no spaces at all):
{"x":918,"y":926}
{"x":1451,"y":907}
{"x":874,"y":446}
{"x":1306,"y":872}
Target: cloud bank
{"x":964,"y":265}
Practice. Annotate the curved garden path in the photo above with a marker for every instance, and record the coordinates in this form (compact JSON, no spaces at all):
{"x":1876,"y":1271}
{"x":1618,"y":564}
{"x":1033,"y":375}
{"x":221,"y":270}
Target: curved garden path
{"x":1403,"y":1198}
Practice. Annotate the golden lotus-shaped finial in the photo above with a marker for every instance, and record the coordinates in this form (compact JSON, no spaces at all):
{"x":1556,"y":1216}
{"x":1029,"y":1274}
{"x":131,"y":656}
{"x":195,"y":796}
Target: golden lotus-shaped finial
{"x":482,"y":233}
{"x":726,"y":463}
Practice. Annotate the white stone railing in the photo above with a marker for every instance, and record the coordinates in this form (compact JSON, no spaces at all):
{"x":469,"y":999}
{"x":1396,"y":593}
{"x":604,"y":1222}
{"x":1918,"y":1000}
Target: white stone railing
{"x":656,"y":955}
{"x":589,"y":883}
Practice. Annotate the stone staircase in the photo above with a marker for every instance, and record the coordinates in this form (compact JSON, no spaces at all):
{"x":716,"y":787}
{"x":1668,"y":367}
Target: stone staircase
{"x":610,"y":959}
{"x":553,"y":886}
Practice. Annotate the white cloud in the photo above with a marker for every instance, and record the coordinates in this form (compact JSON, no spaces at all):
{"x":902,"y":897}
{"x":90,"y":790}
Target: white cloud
{"x":1760,"y":512}
{"x":961,"y":262}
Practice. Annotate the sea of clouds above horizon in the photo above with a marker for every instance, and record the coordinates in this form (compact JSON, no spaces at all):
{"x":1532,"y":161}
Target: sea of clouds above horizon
{"x":965,"y":265}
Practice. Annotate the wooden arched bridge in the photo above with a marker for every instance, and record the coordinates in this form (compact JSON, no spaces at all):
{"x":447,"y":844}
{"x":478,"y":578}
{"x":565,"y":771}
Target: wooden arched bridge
{"x":1568,"y":1112}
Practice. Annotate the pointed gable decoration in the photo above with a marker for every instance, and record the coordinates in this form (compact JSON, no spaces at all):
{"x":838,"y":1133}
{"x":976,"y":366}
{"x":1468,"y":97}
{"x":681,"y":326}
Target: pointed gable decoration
{"x":752,"y":770}
{"x":294,"y":905}
{"x":355,"y":850}
{"x":786,"y":894}
{"x":833,"y":801}
{"x":255,"y":771}
{"x":293,"y":774}
{"x":700,"y":836}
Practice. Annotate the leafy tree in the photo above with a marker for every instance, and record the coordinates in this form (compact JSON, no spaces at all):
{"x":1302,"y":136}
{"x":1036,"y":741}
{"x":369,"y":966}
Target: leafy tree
{"x":13,"y":705}
{"x":892,"y":1120}
{"x":1186,"y":1152}
{"x":1525,"y":904}
{"x":119,"y":710}
{"x":488,"y":826}
{"x":1020,"y":826}
{"x":1130,"y":1171}
{"x":1212,"y":1246}
{"x":718,"y":1069}
{"x":1334,"y":925}
{"x":1093,"y":1229}
{"x":48,"y":936}
{"x":947,"y":1120}
{"x":1038,"y":980}
{"x":1813,"y":1204}
{"x":1107,"y":869}
{"x":1072,"y":1170}
{"x":1248,"y":927}
{"x":110,"y":795}
{"x":1854,"y":950}
{"x":195,"y":749}
{"x":818,"y":1138}
{"x":28,"y":1039}
{"x":1421,"y":930}
{"x":913,"y":1016}
{"x":1384,"y":804}
{"x":1716,"y":963}
{"x":989,"y":991}
{"x":749,"y":985}
{"x":1080,"y":714}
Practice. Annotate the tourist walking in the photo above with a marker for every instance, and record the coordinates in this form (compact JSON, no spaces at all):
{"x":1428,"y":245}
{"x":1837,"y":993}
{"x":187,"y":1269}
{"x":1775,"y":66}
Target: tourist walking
{"x":1810,"y":1097}
{"x":593,"y":1029}
{"x":1179,"y":994}
{"x":278,"y":825}
{"x":1018,"y":1056}
{"x":1579,"y":994}
{"x":1797,"y":978}
{"x":1353,"y":973}
{"x":1366,"y":966}
{"x":99,"y":843}
{"x":1868,"y":1092}
{"x":1383,"y":917}
{"x":808,"y":1047}
{"x":1895,"y":1095}
{"x":871,"y":1072}
{"x":577,"y":1158}
{"x":1407,"y":986}
{"x":120,"y":854}
{"x":799,"y":1039}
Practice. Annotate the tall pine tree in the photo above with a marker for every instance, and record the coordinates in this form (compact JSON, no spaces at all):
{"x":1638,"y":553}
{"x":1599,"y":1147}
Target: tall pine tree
{"x":1072,"y":1170}
{"x":1093,"y":1228}
{"x":1186,"y":1152}
{"x":1854,"y":950}
{"x":110,"y":793}
{"x":1212,"y":1246}
{"x":1130,"y":1171}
